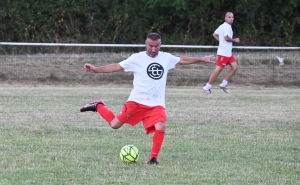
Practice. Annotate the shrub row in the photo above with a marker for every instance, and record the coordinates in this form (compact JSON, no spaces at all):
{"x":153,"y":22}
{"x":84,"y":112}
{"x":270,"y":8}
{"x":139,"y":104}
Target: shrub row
{"x":262,"y":23}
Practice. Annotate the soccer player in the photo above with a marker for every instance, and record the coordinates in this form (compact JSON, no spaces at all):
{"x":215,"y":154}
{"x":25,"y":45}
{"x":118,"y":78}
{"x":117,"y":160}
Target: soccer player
{"x":146,"y":102}
{"x":224,"y":35}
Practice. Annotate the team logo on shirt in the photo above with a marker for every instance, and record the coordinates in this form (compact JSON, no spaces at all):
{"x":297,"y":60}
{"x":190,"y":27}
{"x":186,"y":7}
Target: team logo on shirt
{"x":155,"y":71}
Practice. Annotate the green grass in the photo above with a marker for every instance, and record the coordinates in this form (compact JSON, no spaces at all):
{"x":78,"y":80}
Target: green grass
{"x":250,"y":136}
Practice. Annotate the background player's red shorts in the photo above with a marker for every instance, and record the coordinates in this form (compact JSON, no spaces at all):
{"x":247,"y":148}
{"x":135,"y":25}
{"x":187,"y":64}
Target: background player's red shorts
{"x":132,"y":113}
{"x":223,"y":61}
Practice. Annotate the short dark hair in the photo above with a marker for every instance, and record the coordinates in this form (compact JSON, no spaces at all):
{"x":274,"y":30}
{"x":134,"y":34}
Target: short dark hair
{"x":153,"y":36}
{"x":227,"y":13}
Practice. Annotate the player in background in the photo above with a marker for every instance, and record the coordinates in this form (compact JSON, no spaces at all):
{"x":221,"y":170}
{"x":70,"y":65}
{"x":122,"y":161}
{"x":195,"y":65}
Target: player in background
{"x":146,"y":101}
{"x":224,"y":35}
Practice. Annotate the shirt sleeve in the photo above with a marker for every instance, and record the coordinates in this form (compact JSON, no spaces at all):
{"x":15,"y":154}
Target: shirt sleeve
{"x":173,"y":61}
{"x":217,"y":31}
{"x":227,"y":31}
{"x":127,"y":63}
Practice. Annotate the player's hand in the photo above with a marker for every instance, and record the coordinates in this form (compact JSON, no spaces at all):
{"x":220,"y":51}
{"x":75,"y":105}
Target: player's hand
{"x":89,"y":67}
{"x":207,"y":59}
{"x":237,"y":40}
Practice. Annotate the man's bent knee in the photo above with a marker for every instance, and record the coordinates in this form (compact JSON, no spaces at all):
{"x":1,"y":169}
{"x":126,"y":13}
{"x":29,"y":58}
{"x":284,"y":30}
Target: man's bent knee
{"x":115,"y":123}
{"x":234,"y":66}
{"x":160,"y":126}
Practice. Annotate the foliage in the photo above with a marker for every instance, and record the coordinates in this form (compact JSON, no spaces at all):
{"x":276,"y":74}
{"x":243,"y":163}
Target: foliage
{"x":129,"y":21}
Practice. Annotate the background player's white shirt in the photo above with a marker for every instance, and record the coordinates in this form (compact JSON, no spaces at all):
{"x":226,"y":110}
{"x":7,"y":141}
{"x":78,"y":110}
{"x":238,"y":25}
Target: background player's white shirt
{"x":225,"y":47}
{"x":150,"y":76}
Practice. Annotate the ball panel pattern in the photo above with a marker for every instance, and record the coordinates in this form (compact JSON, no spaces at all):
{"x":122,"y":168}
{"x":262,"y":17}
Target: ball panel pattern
{"x":129,"y":154}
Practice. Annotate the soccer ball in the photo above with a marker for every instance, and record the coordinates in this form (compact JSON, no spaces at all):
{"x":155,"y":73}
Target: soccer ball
{"x":129,"y":154}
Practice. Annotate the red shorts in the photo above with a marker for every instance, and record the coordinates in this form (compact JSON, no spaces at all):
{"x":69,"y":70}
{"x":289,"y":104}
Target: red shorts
{"x":132,"y":113}
{"x":223,"y":61}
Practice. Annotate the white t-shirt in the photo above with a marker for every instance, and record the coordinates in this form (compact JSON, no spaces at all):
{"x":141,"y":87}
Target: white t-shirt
{"x":225,"y":47}
{"x":150,"y":76}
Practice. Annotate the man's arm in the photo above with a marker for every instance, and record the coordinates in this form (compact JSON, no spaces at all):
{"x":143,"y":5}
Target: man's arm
{"x":228,"y":39}
{"x":216,"y":36}
{"x":103,"y":69}
{"x":192,"y":60}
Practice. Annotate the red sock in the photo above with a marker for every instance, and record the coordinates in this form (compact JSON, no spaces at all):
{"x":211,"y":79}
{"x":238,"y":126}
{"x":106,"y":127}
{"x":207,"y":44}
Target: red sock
{"x":107,"y":114}
{"x":158,"y":139}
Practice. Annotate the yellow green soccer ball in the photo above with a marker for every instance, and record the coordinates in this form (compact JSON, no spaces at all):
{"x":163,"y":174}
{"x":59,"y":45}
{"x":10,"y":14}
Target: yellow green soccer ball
{"x":129,"y":154}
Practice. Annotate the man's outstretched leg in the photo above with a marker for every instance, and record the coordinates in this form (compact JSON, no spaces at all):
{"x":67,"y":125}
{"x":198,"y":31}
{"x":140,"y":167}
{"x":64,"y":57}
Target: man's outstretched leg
{"x":211,"y":80}
{"x":230,"y":73}
{"x":99,"y":106}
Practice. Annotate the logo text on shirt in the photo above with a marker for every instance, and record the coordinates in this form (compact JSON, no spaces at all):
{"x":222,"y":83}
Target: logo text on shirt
{"x":155,"y":71}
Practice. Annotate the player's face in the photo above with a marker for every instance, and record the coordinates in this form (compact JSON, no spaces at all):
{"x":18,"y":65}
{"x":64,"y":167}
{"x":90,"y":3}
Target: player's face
{"x":229,"y":18}
{"x":152,"y":47}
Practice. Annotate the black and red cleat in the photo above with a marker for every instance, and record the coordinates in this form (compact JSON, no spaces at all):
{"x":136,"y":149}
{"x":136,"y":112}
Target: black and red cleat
{"x":153,"y":161}
{"x":92,"y":106}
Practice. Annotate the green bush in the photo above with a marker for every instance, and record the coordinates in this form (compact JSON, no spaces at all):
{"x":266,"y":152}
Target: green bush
{"x":128,"y":21}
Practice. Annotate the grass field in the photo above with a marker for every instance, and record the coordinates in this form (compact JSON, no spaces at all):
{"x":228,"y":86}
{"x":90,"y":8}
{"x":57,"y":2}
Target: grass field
{"x":251,"y":136}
